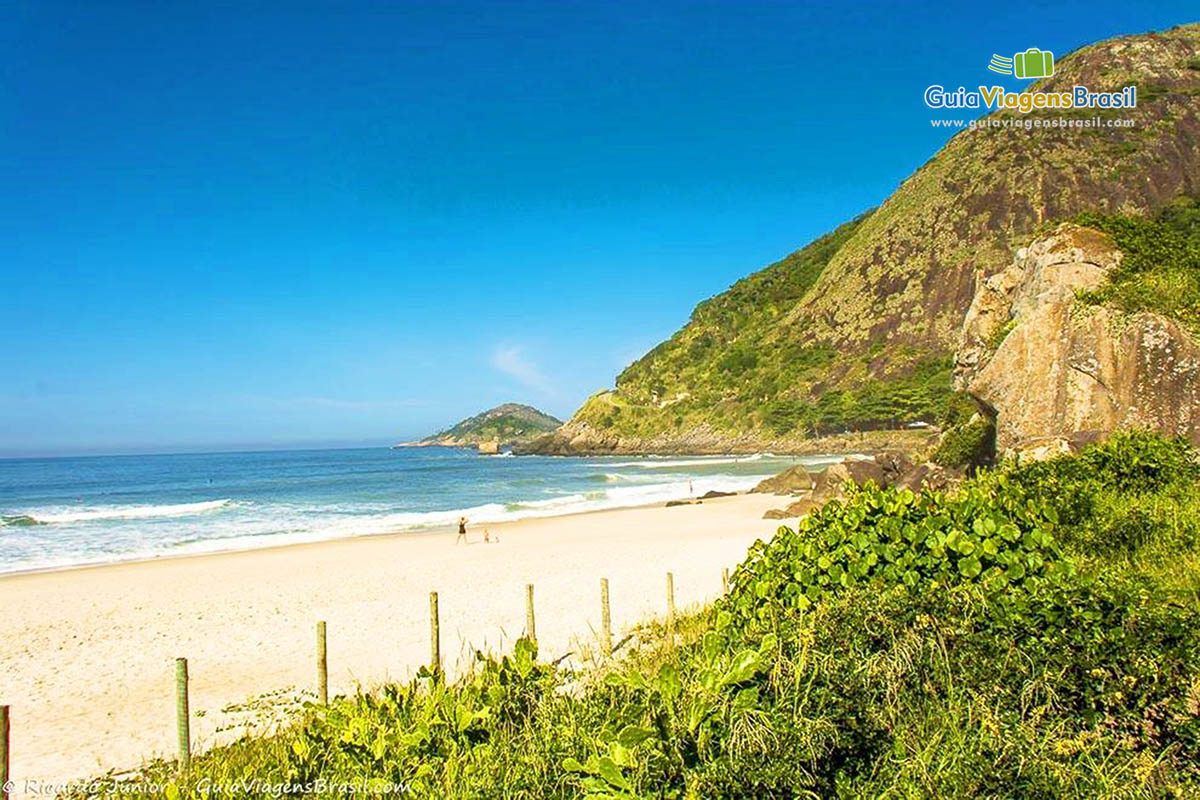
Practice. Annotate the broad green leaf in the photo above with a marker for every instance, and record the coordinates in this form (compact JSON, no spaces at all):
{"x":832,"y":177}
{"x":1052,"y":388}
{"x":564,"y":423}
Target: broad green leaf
{"x":633,"y":735}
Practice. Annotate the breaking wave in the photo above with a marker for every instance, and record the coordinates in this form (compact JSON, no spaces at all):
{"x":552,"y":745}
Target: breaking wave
{"x":93,"y":513}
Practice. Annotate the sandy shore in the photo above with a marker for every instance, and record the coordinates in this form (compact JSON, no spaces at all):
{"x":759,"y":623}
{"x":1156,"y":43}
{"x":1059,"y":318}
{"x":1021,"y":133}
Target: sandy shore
{"x":88,"y":663}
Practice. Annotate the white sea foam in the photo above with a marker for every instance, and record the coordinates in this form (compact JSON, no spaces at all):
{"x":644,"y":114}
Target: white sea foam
{"x":699,"y":461}
{"x":340,"y":526}
{"x":92,"y":513}
{"x":90,"y":534}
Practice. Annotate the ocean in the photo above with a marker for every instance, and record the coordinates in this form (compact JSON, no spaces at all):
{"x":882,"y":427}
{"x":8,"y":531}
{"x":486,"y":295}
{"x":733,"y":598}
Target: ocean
{"x":61,"y":512}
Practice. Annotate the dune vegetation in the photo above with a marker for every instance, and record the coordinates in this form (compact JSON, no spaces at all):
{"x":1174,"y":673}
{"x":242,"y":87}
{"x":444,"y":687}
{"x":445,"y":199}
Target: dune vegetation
{"x":1034,"y":632}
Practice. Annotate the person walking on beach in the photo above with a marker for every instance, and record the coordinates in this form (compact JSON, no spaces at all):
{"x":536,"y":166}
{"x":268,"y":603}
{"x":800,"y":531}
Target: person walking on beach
{"x":462,"y":530}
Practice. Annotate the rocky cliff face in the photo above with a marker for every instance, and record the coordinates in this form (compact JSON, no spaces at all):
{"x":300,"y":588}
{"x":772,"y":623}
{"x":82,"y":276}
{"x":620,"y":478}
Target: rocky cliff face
{"x":1054,"y":372}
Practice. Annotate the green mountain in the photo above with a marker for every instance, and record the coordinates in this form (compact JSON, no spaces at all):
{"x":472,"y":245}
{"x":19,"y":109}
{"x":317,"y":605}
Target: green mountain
{"x":510,"y":423}
{"x":857,"y":330}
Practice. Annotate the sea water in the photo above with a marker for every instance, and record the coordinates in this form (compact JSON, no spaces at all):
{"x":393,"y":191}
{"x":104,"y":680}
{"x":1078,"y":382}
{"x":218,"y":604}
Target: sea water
{"x":59,"y":512}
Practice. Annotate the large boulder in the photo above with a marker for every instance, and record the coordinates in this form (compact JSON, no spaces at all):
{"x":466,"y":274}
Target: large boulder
{"x":894,"y":464}
{"x":796,"y":509}
{"x":832,"y":482}
{"x":922,"y":477}
{"x":791,"y":481}
{"x":1054,"y":372}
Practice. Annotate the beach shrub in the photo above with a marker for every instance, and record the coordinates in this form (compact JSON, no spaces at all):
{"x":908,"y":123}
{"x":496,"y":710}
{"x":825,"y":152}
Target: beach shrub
{"x":997,"y":538}
{"x":1120,"y":495}
{"x":969,"y":445}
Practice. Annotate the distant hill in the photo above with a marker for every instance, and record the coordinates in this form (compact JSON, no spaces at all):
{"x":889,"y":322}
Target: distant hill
{"x":510,"y":423}
{"x":858,"y":330}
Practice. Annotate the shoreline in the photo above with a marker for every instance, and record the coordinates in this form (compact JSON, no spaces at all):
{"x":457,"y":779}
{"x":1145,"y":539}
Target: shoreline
{"x":433,"y":530}
{"x":249,"y":543}
{"x":908,"y":440}
{"x":89,"y":668}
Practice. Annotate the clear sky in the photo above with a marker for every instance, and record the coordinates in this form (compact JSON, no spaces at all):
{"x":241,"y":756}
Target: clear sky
{"x":281,"y":224}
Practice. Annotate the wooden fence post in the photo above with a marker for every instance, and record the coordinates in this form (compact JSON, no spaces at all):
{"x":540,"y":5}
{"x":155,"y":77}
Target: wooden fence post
{"x":182,"y":720}
{"x":530,"y":623}
{"x":724,"y":581}
{"x":435,"y":636}
{"x":322,"y":666}
{"x":4,"y":776}
{"x":671,"y":607}
{"x":605,"y":620}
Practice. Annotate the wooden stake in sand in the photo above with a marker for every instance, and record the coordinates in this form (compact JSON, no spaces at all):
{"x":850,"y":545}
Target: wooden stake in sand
{"x":530,"y":625}
{"x":605,"y":620}
{"x":671,"y":607}
{"x":322,"y":666}
{"x":435,"y":636}
{"x":182,"y":729}
{"x":4,"y":752}
{"x":724,"y":581}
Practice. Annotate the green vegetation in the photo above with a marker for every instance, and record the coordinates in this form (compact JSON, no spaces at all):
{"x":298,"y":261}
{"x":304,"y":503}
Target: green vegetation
{"x":1000,"y":334}
{"x":511,"y":422}
{"x":970,"y":438}
{"x":738,"y":365}
{"x":1034,"y":633}
{"x":970,"y":445}
{"x":969,"y":441}
{"x":729,"y":356}
{"x":1160,"y":271}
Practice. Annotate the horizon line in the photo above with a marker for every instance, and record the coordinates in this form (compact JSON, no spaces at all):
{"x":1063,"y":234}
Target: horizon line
{"x":186,"y":450}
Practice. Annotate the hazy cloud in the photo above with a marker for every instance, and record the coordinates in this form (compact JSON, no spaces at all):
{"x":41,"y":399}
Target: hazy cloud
{"x":511,"y":360}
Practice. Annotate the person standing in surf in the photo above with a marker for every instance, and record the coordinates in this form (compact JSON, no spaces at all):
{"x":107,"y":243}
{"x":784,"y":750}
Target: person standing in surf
{"x":462,"y":531}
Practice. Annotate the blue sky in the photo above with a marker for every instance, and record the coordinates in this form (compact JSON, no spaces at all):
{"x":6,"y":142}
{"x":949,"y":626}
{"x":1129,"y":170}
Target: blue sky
{"x":252,"y":224}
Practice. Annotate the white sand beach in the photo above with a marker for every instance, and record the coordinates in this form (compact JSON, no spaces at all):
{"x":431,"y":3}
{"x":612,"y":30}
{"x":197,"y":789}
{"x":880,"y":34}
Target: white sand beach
{"x":88,"y":666}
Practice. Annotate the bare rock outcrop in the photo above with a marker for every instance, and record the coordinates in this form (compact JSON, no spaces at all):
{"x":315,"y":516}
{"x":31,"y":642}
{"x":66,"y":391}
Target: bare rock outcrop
{"x":887,"y":469}
{"x":1055,"y":373}
{"x":832,"y":482}
{"x":894,"y":465}
{"x":791,"y":481}
{"x":923,"y":477}
{"x":796,"y":509}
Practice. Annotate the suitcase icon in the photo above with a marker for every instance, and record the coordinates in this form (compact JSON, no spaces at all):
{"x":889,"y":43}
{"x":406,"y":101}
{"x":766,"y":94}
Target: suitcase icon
{"x":1033,"y":63}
